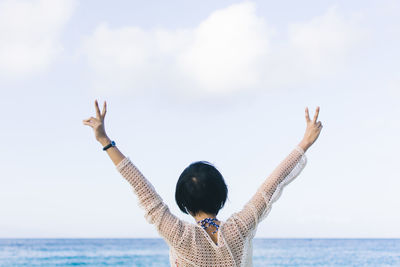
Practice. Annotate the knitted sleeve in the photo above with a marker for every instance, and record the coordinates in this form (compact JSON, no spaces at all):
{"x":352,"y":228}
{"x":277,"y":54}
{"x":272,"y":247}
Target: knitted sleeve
{"x":260,"y":204}
{"x":170,"y":227}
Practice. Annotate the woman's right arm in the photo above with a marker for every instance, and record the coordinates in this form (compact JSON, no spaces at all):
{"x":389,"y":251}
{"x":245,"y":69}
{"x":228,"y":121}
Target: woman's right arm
{"x":260,"y":204}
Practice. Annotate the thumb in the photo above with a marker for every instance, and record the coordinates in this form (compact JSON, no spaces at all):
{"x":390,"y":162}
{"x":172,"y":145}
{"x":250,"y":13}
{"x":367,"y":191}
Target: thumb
{"x":87,"y":122}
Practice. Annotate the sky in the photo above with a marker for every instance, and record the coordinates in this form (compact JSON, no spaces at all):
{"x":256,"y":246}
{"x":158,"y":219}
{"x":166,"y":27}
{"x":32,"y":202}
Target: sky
{"x":222,"y":81}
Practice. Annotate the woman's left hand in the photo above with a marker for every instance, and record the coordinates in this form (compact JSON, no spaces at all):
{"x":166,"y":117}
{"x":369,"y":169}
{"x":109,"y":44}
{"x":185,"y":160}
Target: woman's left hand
{"x":98,"y":123}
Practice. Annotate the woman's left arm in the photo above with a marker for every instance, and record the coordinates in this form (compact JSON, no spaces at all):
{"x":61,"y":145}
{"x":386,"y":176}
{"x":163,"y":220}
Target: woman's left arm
{"x":156,"y":211}
{"x":170,"y":227}
{"x":100,"y":133}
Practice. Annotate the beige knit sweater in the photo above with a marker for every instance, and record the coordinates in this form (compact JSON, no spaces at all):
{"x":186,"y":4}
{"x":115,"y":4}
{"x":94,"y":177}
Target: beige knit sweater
{"x":190,"y":244}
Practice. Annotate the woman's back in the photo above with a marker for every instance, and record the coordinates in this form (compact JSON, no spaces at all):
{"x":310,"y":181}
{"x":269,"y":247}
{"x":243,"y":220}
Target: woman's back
{"x":199,"y":249}
{"x":190,"y":244}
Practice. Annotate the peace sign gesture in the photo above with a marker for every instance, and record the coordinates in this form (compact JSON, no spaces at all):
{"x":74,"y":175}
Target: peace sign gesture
{"x":313,"y":129}
{"x":98,"y":123}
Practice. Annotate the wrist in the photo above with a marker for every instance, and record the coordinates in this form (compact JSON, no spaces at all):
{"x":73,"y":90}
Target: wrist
{"x":104,"y":141}
{"x":304,"y":145}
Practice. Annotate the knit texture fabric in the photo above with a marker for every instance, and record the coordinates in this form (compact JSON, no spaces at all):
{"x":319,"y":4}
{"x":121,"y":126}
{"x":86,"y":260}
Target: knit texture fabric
{"x":189,"y":243}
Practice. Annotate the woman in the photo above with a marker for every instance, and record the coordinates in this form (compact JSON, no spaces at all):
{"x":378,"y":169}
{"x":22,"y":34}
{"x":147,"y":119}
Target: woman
{"x":201,"y":192}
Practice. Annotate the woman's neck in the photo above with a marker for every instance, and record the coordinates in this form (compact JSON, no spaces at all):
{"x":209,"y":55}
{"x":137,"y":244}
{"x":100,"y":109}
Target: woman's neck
{"x":202,"y":215}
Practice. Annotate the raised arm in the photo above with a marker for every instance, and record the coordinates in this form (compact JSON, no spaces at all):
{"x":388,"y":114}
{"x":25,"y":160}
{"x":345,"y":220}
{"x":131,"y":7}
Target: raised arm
{"x":260,"y":204}
{"x":156,"y":211}
{"x":313,"y":130}
{"x":100,"y":133}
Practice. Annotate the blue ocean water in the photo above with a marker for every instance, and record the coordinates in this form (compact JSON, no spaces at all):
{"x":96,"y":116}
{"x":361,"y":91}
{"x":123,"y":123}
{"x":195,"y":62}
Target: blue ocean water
{"x":154,"y":252}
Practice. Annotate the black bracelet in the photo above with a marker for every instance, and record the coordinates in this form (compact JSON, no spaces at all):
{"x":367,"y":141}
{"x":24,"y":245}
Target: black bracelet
{"x":109,"y":145}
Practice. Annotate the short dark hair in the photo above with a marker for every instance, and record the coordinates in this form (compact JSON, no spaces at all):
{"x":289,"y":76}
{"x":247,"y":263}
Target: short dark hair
{"x":201,"y":187}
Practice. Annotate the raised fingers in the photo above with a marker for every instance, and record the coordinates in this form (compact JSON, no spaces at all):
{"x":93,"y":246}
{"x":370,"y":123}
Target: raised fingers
{"x":103,"y":113}
{"x":307,"y":115}
{"x":96,"y":105}
{"x":316,"y":115}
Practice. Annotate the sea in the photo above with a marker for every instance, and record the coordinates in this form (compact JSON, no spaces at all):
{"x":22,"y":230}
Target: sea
{"x":154,"y":252}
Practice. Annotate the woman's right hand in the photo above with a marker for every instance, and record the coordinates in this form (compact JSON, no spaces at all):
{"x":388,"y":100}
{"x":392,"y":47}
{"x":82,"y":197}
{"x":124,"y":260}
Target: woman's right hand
{"x":98,"y":123}
{"x":312,"y":131}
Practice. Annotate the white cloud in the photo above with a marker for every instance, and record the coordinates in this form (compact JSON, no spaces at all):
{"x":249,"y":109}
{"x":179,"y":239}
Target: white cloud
{"x":132,"y":58}
{"x":29,"y":34}
{"x":324,"y":41}
{"x":313,"y":49}
{"x":220,"y":55}
{"x":230,"y":50}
